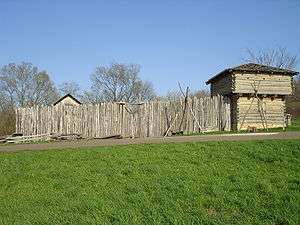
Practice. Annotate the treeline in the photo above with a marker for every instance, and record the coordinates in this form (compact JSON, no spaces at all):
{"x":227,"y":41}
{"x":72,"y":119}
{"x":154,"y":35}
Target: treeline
{"x":23,"y":85}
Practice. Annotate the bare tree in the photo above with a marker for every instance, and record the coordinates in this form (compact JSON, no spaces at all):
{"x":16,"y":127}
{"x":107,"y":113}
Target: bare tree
{"x":25,"y":85}
{"x":91,"y":97}
{"x":277,"y":57}
{"x":172,"y":95}
{"x":120,"y":82}
{"x":69,"y":87}
{"x":200,"y":93}
{"x":176,"y":94}
{"x":4,"y":101}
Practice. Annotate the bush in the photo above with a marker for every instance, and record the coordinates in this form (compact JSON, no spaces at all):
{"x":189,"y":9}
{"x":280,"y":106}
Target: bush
{"x":293,"y":102}
{"x":7,"y":122}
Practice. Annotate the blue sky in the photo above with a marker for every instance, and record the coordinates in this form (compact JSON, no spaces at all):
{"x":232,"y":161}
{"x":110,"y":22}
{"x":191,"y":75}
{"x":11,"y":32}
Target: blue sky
{"x":173,"y":40}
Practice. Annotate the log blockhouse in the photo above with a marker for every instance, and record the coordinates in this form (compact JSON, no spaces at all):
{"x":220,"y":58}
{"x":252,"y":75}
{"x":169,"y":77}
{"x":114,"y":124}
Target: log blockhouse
{"x":257,"y":94}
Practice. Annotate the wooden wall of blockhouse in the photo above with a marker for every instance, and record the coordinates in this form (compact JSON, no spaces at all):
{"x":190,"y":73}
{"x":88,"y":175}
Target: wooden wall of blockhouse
{"x":222,"y":86}
{"x":271,"y":84}
{"x":268,"y":112}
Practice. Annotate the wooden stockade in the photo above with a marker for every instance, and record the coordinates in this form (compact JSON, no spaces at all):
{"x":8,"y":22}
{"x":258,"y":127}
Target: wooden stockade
{"x":149,"y":119}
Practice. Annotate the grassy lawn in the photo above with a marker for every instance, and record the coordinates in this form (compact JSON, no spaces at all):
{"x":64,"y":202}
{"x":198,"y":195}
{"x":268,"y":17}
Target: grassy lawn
{"x":295,"y":126}
{"x":196,"y":183}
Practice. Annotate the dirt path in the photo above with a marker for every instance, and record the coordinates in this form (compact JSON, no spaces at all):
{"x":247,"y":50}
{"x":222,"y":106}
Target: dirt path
{"x":177,"y":139}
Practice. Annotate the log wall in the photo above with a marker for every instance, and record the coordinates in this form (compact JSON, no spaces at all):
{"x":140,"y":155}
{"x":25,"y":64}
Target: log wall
{"x":151,"y":119}
{"x":271,"y":84}
{"x":222,"y":86}
{"x":268,"y":112}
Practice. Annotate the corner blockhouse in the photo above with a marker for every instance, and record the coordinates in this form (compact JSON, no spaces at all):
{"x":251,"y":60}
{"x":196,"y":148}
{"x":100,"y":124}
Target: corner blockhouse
{"x":257,"y":94}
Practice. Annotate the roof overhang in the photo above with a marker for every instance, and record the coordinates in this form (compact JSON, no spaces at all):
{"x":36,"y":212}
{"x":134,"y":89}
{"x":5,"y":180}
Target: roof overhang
{"x":217,"y":76}
{"x":230,"y":70}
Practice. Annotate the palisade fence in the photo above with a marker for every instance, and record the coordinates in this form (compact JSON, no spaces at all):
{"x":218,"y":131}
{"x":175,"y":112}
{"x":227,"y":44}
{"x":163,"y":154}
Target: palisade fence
{"x":149,"y":119}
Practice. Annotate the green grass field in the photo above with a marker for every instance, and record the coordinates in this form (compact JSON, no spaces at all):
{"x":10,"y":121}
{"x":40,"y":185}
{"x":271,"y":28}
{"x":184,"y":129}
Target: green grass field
{"x":194,"y":183}
{"x":295,"y":126}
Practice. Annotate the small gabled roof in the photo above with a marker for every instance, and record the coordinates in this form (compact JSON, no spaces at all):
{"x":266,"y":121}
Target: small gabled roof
{"x":253,"y":67}
{"x":68,"y":95}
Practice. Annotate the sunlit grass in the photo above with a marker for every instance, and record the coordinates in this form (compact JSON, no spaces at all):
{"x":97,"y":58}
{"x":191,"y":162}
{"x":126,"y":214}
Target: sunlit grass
{"x":195,"y":183}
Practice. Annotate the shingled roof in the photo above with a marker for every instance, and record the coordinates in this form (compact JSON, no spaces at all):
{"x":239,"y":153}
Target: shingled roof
{"x":253,"y":67}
